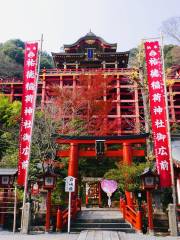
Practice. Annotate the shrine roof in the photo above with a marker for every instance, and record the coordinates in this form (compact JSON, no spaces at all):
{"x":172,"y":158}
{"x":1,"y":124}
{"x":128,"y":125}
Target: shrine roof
{"x":136,"y":136}
{"x":91,"y":36}
{"x":8,"y":171}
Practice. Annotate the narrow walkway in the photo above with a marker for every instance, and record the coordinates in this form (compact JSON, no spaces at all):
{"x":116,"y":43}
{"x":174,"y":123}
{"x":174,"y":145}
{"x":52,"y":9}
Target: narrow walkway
{"x":84,"y":235}
{"x":111,"y":235}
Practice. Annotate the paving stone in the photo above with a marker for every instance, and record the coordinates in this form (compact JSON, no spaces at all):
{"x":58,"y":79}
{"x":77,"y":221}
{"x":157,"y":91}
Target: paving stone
{"x":84,"y":235}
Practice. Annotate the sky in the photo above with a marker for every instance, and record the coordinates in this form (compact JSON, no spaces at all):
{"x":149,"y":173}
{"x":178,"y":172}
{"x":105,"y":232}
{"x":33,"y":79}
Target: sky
{"x":125,"y":22}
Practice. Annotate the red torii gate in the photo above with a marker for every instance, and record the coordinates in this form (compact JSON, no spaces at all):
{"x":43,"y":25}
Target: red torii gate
{"x":127,"y":152}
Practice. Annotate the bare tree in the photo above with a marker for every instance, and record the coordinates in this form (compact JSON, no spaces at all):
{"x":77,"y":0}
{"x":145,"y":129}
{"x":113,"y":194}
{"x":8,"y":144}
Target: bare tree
{"x":84,"y":109}
{"x":171,"y":28}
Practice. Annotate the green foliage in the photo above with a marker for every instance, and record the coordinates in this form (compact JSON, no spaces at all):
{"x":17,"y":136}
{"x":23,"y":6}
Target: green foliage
{"x":133,"y":57}
{"x":93,"y":167}
{"x":43,"y":140}
{"x":128,"y":177}
{"x":12,"y":59}
{"x":175,"y":128}
{"x":9,"y":131}
{"x":168,"y":55}
{"x":171,"y":56}
{"x":59,"y":196}
{"x":46,"y":61}
{"x":14,"y":49}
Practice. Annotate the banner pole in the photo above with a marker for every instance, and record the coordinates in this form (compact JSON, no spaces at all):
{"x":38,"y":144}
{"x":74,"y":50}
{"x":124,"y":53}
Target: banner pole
{"x":169,"y":136}
{"x":27,"y":169}
{"x":168,"y":124}
{"x":69,"y":213}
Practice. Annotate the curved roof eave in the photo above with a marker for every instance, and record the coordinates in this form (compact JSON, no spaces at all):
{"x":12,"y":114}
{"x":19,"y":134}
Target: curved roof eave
{"x":90,"y":37}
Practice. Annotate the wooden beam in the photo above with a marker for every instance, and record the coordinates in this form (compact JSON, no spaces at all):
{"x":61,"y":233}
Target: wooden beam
{"x":91,"y":153}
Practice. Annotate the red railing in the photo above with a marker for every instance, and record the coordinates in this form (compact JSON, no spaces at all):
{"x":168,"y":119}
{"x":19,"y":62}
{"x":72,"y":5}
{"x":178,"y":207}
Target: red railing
{"x":85,"y":70}
{"x":131,"y":215}
{"x":62,"y":216}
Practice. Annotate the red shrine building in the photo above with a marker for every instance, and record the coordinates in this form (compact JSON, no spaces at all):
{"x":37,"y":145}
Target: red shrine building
{"x":91,"y":55}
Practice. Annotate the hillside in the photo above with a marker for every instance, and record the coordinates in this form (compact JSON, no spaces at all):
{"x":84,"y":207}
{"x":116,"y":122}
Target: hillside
{"x":12,"y":59}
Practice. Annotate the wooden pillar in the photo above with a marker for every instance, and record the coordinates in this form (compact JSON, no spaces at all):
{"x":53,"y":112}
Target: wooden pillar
{"x":59,"y":221}
{"x":48,"y":210}
{"x":73,"y":163}
{"x":127,"y":159}
{"x":150,"y":211}
{"x":73,"y":160}
{"x":12,"y":92}
{"x":171,"y":99}
{"x":136,"y":98}
{"x":127,"y":153}
{"x":4,"y":207}
{"x":43,"y":90}
{"x":118,"y":105}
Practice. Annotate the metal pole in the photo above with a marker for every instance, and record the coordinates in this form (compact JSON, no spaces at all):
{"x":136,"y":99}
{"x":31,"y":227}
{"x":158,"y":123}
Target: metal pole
{"x":15,"y":207}
{"x":27,"y":169}
{"x":69,"y":213}
{"x":168,"y":131}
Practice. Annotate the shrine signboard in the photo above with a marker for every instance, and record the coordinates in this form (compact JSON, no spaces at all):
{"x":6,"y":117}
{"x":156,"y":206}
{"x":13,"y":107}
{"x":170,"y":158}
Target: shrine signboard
{"x":158,"y":110}
{"x":69,"y":184}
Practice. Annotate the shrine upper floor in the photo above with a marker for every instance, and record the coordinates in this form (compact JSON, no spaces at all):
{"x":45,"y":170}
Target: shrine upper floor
{"x":90,"y":51}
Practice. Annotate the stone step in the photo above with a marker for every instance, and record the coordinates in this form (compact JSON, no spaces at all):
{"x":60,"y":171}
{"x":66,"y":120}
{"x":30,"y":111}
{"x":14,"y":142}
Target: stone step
{"x":108,"y":220}
{"x":101,"y":225}
{"x":161,"y":225}
{"x":127,"y":230}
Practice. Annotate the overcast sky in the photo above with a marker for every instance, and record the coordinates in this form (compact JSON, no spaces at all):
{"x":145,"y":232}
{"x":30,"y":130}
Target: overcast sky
{"x":125,"y":22}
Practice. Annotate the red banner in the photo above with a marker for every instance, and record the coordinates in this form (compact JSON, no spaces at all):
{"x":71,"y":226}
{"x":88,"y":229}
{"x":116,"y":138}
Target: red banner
{"x":158,"y":111}
{"x":28,"y":106}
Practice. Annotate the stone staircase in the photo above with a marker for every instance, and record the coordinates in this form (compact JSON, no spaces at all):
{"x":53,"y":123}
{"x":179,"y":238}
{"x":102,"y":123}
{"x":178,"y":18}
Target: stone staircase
{"x":161,"y":224}
{"x":104,"y":219}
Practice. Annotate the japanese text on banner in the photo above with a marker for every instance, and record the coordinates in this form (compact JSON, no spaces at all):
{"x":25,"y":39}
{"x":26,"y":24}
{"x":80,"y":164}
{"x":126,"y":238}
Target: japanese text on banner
{"x":28,"y":106}
{"x":158,"y":111}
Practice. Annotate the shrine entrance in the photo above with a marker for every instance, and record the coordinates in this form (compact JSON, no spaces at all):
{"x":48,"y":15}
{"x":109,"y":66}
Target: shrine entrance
{"x":126,"y":148}
{"x":92,"y":191}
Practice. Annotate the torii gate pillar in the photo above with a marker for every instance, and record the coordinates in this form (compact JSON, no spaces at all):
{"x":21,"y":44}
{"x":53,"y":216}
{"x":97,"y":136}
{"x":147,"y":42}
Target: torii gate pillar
{"x":73,"y":162}
{"x":127,"y":159}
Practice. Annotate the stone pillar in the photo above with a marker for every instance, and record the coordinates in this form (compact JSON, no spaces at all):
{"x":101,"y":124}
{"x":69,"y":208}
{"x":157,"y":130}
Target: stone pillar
{"x":26,"y":218}
{"x":172,"y":220}
{"x":127,"y":159}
